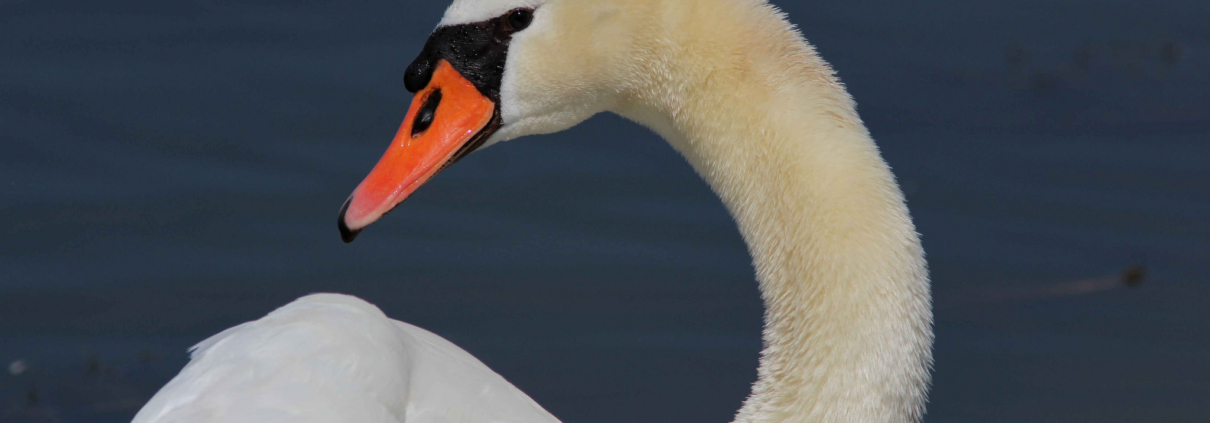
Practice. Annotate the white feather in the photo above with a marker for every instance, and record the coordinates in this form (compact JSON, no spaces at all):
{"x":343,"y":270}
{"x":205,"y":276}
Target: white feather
{"x":335,"y":358}
{"x":468,"y":11}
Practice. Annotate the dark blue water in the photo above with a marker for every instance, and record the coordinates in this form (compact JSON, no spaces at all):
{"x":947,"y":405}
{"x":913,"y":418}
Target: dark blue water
{"x":170,"y":169}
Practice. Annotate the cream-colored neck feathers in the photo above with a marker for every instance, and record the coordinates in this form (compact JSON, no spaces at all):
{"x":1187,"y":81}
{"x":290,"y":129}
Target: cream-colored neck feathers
{"x":761,"y":117}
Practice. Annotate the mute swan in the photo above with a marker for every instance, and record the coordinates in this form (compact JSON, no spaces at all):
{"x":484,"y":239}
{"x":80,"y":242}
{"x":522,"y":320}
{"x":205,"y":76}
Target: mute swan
{"x":728,"y":83}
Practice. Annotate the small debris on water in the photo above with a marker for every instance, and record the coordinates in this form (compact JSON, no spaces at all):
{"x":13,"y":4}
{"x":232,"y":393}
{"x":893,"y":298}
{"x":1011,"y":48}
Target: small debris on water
{"x":1133,"y":276}
{"x":18,"y":367}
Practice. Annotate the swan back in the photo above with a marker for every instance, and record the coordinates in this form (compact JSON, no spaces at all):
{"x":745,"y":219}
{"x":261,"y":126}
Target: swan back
{"x":336,"y":358}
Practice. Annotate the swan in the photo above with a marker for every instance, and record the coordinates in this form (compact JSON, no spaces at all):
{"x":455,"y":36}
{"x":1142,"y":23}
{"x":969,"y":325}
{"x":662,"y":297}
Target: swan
{"x":733,"y":87}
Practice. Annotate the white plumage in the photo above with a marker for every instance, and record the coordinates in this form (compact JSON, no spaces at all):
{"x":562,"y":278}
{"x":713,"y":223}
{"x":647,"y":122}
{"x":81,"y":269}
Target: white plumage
{"x":765,"y":121}
{"x":335,"y":358}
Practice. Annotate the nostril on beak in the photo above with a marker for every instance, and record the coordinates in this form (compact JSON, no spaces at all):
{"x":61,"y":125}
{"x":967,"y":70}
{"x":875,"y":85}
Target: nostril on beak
{"x":424,"y":117}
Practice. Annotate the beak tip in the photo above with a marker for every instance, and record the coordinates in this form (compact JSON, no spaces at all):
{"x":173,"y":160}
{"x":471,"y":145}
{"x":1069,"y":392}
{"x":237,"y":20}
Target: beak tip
{"x":346,"y":234}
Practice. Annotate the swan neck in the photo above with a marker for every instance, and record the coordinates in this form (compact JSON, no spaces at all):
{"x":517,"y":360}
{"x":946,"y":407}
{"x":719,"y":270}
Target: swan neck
{"x":848,"y":320}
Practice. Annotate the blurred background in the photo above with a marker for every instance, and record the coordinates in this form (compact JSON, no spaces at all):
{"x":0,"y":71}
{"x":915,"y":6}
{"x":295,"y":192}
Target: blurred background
{"x":169,"y":169}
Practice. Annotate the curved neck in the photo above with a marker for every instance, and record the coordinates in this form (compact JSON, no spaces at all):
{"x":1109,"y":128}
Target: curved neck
{"x":848,"y":321}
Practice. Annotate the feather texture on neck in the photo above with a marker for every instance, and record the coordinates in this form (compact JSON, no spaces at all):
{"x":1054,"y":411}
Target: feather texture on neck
{"x":734,"y":88}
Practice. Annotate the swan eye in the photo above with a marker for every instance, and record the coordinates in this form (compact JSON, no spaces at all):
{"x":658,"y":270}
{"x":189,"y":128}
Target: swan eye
{"x":519,"y":19}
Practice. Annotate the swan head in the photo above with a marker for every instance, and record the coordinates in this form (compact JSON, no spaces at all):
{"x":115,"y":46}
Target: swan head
{"x":491,"y":71}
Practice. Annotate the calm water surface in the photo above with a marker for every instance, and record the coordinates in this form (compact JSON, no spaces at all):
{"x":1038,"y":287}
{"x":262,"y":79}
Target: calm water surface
{"x":170,"y":169}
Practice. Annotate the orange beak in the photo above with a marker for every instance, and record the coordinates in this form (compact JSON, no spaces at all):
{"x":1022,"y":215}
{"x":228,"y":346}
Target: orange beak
{"x":448,"y":119}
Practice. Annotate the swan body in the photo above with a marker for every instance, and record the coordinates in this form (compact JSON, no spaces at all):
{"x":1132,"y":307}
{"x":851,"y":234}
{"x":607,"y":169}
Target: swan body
{"x":335,"y":358}
{"x":735,"y":89}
